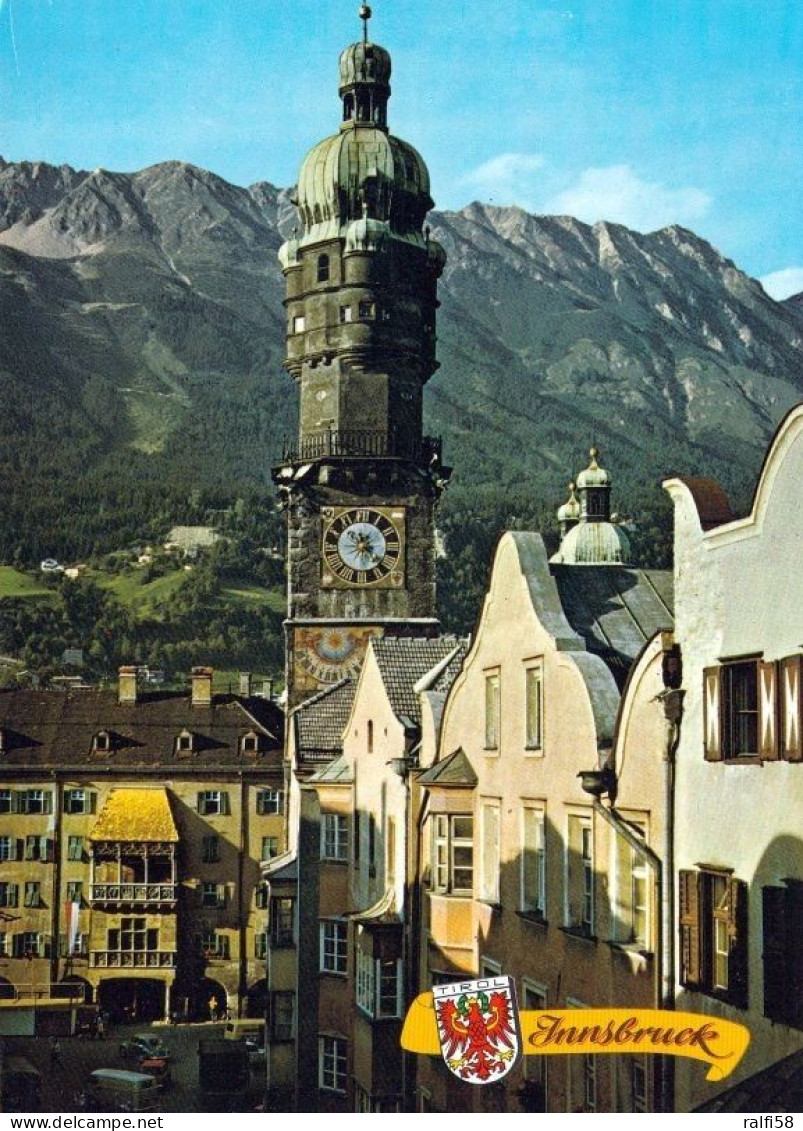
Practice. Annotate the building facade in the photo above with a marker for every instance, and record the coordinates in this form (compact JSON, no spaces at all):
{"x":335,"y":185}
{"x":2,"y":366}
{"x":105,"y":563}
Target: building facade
{"x":132,"y":827}
{"x":739,"y":605}
{"x":522,"y":871}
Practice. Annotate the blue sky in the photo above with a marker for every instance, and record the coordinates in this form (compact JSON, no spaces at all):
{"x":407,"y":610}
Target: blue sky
{"x":645,"y":112}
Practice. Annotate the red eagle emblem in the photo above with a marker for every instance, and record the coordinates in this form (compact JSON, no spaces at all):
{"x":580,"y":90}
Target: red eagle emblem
{"x":478,"y":1026}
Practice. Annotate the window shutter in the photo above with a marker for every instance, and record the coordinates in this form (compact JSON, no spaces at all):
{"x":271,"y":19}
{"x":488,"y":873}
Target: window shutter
{"x":13,"y":895}
{"x":200,"y":805}
{"x":768,"y":744}
{"x":775,"y":953}
{"x":47,"y":802}
{"x":224,"y":804}
{"x":737,"y":935}
{"x":712,"y":714}
{"x":15,"y":801}
{"x":260,"y":801}
{"x":18,"y":946}
{"x":791,"y":709}
{"x":689,"y":908}
{"x":92,"y":797}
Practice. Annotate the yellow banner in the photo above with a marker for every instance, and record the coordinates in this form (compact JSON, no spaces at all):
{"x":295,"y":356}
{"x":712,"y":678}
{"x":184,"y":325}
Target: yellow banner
{"x":555,"y":1032}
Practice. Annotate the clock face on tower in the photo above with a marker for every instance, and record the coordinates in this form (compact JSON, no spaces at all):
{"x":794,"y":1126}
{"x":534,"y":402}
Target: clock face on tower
{"x":363,"y":547}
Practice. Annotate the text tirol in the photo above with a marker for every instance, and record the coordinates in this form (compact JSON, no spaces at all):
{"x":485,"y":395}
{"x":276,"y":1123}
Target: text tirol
{"x":721,"y":1044}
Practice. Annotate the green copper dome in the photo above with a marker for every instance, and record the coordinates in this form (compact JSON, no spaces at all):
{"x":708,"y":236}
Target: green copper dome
{"x":362,"y":168}
{"x":570,"y":511}
{"x":594,"y":543}
{"x":363,"y":174}
{"x":594,"y":475}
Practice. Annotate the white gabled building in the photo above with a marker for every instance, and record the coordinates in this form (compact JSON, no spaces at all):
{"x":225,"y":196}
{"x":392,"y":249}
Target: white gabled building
{"x":739,"y":799}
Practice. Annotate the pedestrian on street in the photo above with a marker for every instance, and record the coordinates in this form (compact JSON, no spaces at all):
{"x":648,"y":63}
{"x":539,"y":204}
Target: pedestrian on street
{"x":213,"y":1008}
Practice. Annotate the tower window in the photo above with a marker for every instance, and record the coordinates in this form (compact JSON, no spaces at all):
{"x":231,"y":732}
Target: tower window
{"x":348,"y":108}
{"x":367,"y":309}
{"x":299,"y":324}
{"x":323,"y":268}
{"x":345,"y":314}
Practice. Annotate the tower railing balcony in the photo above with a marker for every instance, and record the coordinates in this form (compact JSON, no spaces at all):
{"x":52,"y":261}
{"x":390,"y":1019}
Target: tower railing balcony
{"x":133,"y":893}
{"x":359,"y":443}
{"x":133,"y":959}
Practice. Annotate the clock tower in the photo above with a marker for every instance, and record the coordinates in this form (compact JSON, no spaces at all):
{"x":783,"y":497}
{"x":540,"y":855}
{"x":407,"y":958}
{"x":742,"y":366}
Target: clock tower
{"x":361,"y":481}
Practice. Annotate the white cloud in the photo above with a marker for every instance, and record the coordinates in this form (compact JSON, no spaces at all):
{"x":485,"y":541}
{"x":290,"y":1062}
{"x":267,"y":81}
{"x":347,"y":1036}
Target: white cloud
{"x":617,"y":194}
{"x":506,"y":179}
{"x":782,"y":284}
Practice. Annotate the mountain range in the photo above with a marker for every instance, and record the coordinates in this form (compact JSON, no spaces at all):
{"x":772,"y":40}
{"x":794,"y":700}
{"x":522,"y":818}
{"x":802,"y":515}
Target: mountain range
{"x":142,"y":342}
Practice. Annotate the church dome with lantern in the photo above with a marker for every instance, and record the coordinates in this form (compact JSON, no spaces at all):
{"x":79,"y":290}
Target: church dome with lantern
{"x":363,"y":173}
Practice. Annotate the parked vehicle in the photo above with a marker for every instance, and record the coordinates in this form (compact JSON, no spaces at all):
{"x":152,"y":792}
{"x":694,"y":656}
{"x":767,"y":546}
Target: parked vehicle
{"x":252,"y":1031}
{"x":144,"y":1045}
{"x":115,"y":1089}
{"x":22,"y":1084}
{"x":159,"y":1068}
{"x":223,"y":1068}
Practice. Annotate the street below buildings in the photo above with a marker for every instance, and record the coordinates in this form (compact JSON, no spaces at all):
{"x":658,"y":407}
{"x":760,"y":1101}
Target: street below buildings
{"x":63,"y":1083}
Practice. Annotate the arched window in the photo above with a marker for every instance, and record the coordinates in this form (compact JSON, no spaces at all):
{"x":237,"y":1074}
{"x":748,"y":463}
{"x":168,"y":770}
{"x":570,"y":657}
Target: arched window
{"x":323,"y":268}
{"x":348,"y":108}
{"x":370,"y":736}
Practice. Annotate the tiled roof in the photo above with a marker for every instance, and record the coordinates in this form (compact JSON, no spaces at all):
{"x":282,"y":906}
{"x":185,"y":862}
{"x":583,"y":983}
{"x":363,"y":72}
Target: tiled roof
{"x":402,"y":662}
{"x":712,"y":503}
{"x":321,"y":719}
{"x":778,"y":1088}
{"x":57,"y":728}
{"x":135,"y":814}
{"x":615,"y":610}
{"x":454,"y":770}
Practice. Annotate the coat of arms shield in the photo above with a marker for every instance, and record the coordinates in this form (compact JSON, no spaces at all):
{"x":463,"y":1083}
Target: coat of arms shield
{"x":478,"y":1027}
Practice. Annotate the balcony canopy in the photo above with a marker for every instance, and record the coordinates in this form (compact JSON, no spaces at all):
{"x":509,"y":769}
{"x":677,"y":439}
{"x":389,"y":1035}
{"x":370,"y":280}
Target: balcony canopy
{"x":139,"y":815}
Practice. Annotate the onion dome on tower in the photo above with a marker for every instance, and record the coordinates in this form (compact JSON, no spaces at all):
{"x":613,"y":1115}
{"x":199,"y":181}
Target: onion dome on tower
{"x":588,"y":536}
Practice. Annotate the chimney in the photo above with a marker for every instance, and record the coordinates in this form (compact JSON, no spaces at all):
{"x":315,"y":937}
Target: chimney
{"x":245,"y":684}
{"x":127,"y":684}
{"x":201,"y":687}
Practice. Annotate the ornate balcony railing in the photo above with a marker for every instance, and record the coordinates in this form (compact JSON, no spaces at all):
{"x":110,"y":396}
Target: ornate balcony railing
{"x":133,"y":893}
{"x":361,"y":442}
{"x":133,"y":959}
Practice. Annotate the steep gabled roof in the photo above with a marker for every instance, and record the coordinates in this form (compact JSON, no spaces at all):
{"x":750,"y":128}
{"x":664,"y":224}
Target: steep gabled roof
{"x":404,"y":660}
{"x":320,"y":720}
{"x":615,"y":609}
{"x":454,"y":770}
{"x":57,"y":728}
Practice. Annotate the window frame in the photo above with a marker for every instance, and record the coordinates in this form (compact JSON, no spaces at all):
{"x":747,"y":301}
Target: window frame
{"x":533,"y":890}
{"x":332,"y":1049}
{"x":282,"y":934}
{"x":213,"y":894}
{"x":270,"y":802}
{"x":534,"y":719}
{"x":444,"y":837}
{"x":579,"y":876}
{"x":493,"y":710}
{"x":491,"y":844}
{"x":333,"y":953}
{"x":210,"y":849}
{"x":213,"y":803}
{"x":335,"y":837}
{"x":712,"y":906}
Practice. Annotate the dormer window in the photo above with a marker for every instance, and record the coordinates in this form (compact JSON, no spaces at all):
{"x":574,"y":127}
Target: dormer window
{"x":249,"y":743}
{"x":185,"y":742}
{"x":102,"y":741}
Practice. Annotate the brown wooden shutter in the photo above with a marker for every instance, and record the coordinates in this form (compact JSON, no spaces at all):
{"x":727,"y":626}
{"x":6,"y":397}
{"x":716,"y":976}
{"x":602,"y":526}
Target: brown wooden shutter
{"x":774,"y":931}
{"x":712,"y":714}
{"x":791,"y":713}
{"x":689,"y":908}
{"x":737,"y":934}
{"x":768,"y":738}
